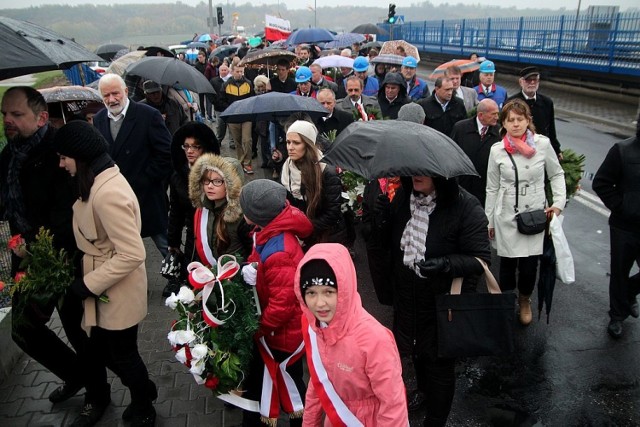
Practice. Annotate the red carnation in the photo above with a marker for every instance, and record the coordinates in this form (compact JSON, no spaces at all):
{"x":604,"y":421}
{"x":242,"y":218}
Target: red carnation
{"x":1,"y":286}
{"x":15,"y":242}
{"x":212,"y":382}
{"x":19,"y":276}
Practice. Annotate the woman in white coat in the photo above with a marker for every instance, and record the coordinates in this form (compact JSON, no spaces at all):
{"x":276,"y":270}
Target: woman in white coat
{"x":533,"y":156}
{"x":106,"y":225}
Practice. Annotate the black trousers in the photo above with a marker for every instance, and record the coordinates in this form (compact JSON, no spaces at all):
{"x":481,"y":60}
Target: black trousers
{"x":436,"y":379}
{"x":253,"y":385}
{"x":118,"y":351}
{"x":526,"y":267}
{"x":30,"y":332}
{"x":625,"y":249}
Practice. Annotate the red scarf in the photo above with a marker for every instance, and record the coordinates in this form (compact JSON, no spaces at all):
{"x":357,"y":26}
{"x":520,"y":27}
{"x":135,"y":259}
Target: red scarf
{"x":520,"y":145}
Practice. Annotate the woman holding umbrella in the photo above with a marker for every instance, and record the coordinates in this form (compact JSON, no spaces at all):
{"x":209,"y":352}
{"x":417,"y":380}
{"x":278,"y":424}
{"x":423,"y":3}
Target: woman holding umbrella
{"x":429,"y":234}
{"x":522,"y":159}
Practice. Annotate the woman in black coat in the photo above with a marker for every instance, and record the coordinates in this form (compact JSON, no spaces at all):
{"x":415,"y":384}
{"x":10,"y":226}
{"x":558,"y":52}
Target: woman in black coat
{"x":190,"y":141}
{"x":419,"y":265}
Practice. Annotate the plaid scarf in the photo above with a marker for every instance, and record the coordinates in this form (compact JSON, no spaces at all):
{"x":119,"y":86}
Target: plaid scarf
{"x":414,"y":237}
{"x":12,"y":197}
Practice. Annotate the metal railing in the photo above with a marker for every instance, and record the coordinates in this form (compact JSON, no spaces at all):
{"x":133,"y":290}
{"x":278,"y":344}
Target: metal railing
{"x":599,"y":43}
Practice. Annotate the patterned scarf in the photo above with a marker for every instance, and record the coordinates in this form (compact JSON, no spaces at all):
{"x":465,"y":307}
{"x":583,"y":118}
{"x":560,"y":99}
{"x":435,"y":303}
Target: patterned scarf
{"x":414,"y":237}
{"x":525,"y":145}
{"x":12,"y":196}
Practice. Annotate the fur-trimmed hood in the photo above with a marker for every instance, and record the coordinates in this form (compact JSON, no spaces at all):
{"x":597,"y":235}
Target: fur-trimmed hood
{"x":228,"y":168}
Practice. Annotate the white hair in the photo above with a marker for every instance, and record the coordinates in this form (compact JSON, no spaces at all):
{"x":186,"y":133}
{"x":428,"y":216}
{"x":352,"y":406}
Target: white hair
{"x":111,"y":78}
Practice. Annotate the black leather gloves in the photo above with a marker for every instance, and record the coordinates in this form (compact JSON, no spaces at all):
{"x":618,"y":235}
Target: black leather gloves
{"x":431,"y":266}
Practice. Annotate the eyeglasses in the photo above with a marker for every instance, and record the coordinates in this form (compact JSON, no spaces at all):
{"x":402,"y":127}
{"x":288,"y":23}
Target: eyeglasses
{"x":215,"y":182}
{"x":187,"y":147}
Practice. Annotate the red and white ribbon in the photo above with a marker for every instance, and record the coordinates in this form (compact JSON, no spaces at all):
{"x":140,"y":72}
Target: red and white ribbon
{"x":203,"y":247}
{"x":336,"y":410}
{"x":203,"y":278}
{"x":278,"y":387}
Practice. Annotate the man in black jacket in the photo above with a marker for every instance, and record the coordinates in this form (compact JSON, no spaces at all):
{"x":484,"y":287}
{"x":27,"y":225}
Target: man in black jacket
{"x":443,"y":109}
{"x":475,"y":136}
{"x":392,"y":95}
{"x":617,"y":183}
{"x":542,"y":110}
{"x":337,"y":119}
{"x":35,"y":192}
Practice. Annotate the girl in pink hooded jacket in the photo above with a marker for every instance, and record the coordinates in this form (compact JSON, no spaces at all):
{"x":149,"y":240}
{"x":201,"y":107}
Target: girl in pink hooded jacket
{"x":356,"y":375}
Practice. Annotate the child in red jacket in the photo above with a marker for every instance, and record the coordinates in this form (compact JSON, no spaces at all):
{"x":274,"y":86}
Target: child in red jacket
{"x":277,"y":252}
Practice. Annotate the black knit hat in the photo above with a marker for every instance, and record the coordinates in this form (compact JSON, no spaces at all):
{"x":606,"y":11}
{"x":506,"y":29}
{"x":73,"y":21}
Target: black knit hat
{"x":80,"y":141}
{"x":317,"y":272}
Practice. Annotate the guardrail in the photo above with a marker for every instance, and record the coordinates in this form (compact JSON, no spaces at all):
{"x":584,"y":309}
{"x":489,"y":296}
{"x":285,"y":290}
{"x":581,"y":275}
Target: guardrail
{"x":597,"y":43}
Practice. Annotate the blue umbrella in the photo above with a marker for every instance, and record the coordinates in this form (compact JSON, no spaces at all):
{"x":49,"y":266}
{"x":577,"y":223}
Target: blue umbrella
{"x":345,"y":40}
{"x":197,"y":45}
{"x":272,"y":106}
{"x":309,"y":35}
{"x":204,"y":37}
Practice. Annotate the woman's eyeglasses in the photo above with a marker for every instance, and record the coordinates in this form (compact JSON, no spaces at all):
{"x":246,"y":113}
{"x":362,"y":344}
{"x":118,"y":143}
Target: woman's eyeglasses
{"x":215,"y":182}
{"x":187,"y":147}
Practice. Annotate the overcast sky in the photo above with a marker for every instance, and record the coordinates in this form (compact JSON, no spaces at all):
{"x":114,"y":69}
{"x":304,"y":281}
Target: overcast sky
{"x":299,"y":4}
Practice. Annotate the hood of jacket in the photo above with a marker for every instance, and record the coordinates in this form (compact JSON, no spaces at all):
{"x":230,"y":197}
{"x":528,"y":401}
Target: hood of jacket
{"x":291,"y":220}
{"x":396,"y":79}
{"x":227,"y":168}
{"x":349,"y":303}
{"x":201,"y":133}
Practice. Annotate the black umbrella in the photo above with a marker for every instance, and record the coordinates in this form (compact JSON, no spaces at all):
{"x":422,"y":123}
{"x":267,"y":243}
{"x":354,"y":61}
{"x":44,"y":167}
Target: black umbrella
{"x":197,"y":45}
{"x":171,"y":71}
{"x":108,"y":51}
{"x":29,"y":48}
{"x":272,"y":106}
{"x":369,"y":29}
{"x":386,"y":148}
{"x":547,"y":276}
{"x":158,"y":51}
{"x":224,"y":50}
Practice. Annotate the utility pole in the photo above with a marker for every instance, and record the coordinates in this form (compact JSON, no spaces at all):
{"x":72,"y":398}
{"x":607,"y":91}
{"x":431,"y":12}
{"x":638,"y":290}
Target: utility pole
{"x":210,"y":17}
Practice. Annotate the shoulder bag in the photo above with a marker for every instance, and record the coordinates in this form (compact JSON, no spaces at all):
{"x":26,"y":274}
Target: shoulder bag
{"x":475,"y":324}
{"x":531,"y":222}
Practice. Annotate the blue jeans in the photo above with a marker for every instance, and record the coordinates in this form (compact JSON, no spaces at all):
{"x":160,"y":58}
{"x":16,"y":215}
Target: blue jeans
{"x":162,"y":243}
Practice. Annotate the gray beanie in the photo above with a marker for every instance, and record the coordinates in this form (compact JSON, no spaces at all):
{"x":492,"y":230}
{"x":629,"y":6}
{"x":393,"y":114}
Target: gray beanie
{"x":411,"y":112}
{"x":262,"y":200}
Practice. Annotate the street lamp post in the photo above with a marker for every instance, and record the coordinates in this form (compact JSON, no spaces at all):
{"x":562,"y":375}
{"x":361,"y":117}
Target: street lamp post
{"x":315,"y":13}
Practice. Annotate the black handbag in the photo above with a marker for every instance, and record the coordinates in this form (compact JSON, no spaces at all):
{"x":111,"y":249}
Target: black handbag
{"x":530,"y":222}
{"x":475,"y":324}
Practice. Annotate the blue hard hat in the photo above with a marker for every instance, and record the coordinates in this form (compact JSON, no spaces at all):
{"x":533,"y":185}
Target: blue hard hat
{"x":303,"y":74}
{"x":410,"y":61}
{"x":487,"y":67}
{"x":360,"y":64}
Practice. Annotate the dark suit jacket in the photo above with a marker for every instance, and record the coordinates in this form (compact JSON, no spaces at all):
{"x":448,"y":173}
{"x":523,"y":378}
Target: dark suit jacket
{"x":338,"y":121}
{"x":544,"y":117}
{"x":142,"y":152}
{"x":439,"y":120}
{"x":465,"y":134}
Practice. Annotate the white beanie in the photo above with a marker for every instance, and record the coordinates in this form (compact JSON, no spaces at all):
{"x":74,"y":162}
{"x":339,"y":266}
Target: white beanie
{"x":304,"y":128}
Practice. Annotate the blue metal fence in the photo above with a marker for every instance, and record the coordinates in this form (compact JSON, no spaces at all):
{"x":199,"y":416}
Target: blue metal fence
{"x":600,"y":43}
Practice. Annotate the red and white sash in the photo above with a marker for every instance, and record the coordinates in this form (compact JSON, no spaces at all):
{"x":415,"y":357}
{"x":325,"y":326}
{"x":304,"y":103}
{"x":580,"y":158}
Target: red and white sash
{"x":278,"y":388}
{"x":203,"y":246}
{"x":336,"y":410}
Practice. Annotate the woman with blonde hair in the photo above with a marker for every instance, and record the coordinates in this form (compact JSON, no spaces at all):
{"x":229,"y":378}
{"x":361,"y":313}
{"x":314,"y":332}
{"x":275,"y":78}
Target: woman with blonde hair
{"x":516,"y":181}
{"x":312,"y":186}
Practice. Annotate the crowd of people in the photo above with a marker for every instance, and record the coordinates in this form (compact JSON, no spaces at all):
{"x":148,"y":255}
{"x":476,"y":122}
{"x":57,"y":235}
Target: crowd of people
{"x":102,"y":187}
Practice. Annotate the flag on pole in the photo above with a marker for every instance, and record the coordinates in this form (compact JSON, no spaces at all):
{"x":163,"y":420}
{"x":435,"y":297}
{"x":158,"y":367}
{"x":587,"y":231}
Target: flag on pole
{"x":276,"y":28}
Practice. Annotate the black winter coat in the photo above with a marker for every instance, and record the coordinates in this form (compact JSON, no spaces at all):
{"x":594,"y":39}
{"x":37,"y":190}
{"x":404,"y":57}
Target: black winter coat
{"x":439,"y":120}
{"x":457,"y":230}
{"x":47,"y":193}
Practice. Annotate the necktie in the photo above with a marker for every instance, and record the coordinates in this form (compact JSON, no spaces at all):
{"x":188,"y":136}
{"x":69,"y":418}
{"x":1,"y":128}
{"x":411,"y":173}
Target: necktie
{"x":483,"y":132}
{"x":487,"y":90}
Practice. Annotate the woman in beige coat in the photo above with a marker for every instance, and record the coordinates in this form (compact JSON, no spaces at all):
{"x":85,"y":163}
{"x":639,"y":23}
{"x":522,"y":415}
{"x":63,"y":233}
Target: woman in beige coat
{"x":533,"y":156}
{"x":106,"y":224}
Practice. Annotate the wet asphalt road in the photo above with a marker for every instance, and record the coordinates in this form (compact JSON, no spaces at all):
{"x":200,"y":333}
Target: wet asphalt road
{"x":568,"y":372}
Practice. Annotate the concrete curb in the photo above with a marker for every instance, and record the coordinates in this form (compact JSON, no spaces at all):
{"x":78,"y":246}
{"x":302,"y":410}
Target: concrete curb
{"x":10,"y":352}
{"x":630,"y":128}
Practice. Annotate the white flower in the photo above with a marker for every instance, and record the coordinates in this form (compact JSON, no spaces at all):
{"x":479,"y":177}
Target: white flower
{"x":181,"y":355}
{"x":199,"y":351}
{"x":181,"y":337}
{"x":186,"y":295}
{"x":197,"y":367}
{"x":172,"y":301}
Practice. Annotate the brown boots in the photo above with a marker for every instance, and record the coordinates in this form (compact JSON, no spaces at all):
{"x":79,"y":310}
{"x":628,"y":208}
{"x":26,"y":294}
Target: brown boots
{"x":524,"y":301}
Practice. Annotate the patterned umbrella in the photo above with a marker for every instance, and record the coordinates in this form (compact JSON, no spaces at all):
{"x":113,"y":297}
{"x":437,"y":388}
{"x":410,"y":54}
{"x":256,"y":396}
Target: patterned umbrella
{"x":344,"y":40}
{"x":267,"y":57}
{"x":409,"y":49}
{"x":465,"y":65}
{"x":70,"y":93}
{"x":119,"y":65}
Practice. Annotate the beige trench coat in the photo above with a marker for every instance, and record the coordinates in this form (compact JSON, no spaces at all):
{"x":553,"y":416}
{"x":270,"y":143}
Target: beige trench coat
{"x":107,"y":229}
{"x":501,"y":195}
